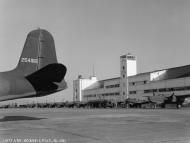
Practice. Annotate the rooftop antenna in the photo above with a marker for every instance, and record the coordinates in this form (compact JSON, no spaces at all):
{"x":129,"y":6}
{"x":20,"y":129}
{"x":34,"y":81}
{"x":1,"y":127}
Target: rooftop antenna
{"x":93,"y":73}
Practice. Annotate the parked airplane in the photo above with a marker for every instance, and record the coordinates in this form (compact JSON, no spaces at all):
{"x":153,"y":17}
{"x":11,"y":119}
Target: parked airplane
{"x":167,"y":99}
{"x":38,"y":73}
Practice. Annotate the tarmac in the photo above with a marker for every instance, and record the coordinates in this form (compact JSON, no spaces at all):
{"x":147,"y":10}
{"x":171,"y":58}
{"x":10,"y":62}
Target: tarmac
{"x":95,"y":125}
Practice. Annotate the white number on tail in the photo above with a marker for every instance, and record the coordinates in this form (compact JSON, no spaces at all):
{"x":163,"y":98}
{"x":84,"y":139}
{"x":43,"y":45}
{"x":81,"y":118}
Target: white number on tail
{"x":29,"y":60}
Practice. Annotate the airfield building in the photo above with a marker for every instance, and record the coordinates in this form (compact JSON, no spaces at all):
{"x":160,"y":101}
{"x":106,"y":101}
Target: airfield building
{"x":130,"y":85}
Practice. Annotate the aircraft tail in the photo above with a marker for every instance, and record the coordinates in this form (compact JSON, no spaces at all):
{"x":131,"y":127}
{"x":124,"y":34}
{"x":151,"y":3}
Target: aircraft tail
{"x":38,"y":52}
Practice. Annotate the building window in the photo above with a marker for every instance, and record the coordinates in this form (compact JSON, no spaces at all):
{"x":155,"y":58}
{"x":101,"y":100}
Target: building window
{"x":187,"y":87}
{"x":112,"y":86}
{"x":179,"y":88}
{"x":146,"y":91}
{"x":149,"y":90}
{"x":101,"y":86}
{"x":91,"y":95}
{"x":116,"y":93}
{"x":132,"y":92}
{"x":131,"y":83}
{"x":162,"y":90}
{"x":167,"y":89}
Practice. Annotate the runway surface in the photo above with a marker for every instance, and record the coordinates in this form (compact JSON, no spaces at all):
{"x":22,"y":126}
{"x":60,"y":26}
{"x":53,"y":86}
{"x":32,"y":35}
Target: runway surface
{"x":95,"y":125}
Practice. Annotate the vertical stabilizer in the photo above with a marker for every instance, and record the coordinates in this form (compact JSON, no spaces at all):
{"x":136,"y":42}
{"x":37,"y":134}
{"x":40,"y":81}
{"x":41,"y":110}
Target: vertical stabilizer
{"x":38,"y":52}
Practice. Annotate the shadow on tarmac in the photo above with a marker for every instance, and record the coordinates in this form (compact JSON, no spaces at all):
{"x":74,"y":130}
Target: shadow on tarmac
{"x":19,"y":118}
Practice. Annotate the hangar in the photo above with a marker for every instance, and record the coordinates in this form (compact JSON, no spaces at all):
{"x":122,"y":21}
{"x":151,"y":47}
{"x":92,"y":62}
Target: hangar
{"x":152,"y":85}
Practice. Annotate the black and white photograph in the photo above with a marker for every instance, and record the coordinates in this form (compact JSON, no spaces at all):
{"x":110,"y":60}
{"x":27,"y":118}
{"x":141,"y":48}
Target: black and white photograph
{"x":94,"y":71}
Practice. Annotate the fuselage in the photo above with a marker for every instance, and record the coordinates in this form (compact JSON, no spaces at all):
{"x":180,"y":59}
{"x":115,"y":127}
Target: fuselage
{"x":14,"y":86}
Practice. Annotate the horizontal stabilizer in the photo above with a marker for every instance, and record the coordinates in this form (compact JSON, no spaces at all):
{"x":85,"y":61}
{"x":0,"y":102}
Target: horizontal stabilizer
{"x":46,"y":79}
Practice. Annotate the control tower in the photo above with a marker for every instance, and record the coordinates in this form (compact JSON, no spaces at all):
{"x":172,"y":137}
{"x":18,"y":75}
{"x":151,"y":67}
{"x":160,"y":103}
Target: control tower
{"x":128,"y":67}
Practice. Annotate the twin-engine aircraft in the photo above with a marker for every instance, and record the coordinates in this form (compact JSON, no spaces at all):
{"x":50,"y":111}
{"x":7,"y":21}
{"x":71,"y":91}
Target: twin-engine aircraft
{"x":38,"y":73}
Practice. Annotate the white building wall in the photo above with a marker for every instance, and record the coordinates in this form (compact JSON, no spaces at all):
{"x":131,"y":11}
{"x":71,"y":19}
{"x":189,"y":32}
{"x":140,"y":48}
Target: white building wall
{"x":80,"y":85}
{"x":162,"y":84}
{"x":87,"y":82}
{"x":108,"y":91}
{"x":76,"y":90}
{"x":140,"y":88}
{"x":157,"y":74}
{"x":131,"y":67}
{"x":139,"y":77}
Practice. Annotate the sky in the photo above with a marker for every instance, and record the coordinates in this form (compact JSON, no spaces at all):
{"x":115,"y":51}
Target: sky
{"x":95,"y":33}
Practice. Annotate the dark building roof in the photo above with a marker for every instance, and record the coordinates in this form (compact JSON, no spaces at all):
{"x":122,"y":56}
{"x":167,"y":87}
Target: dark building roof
{"x":175,"y":72}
